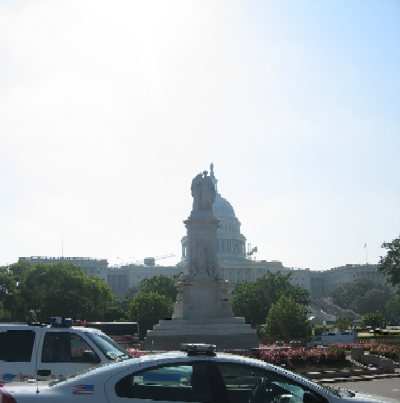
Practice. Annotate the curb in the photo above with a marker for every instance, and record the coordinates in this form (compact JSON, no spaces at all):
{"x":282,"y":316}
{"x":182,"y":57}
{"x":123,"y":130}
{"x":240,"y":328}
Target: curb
{"x":348,"y":376}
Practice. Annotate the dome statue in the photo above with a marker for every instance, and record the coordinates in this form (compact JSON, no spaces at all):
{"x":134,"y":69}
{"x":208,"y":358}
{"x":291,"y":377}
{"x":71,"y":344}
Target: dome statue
{"x":203,"y":192}
{"x":231,"y":243}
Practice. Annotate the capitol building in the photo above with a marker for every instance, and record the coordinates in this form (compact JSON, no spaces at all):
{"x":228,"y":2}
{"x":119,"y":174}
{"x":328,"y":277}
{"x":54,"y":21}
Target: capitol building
{"x":235,"y":261}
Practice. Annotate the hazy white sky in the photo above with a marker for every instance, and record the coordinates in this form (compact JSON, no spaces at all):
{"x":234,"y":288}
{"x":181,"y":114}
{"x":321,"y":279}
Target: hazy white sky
{"x":109,"y":109}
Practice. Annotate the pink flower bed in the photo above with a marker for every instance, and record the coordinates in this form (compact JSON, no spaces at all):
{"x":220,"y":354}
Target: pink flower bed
{"x":134,"y":353}
{"x":302,"y":356}
{"x":335,"y":354}
{"x":391,"y":351}
{"x":387,"y":350}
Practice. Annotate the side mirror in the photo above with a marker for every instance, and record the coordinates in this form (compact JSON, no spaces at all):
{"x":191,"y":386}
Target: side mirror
{"x":91,"y":357}
{"x":310,"y":397}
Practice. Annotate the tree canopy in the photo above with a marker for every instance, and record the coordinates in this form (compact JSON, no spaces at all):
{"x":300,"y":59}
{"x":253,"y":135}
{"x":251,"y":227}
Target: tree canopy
{"x":389,"y":265}
{"x":153,"y":299}
{"x":64,"y":290}
{"x":373,"y":301}
{"x":163,"y":285}
{"x":52,"y":289}
{"x":254,"y":300}
{"x":147,"y":308}
{"x":287,"y":318}
{"x":344,"y":322}
{"x":362,"y":296}
{"x":8,"y":293}
{"x":373,"y":319}
{"x":4,"y":314}
{"x":392,"y":310}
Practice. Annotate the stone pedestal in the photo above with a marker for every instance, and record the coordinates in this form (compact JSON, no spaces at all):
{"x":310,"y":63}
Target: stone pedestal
{"x":202,"y":311}
{"x":205,"y":298}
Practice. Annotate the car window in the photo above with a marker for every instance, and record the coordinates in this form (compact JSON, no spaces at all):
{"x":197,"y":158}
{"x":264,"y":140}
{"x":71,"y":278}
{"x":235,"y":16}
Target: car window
{"x":174,"y":383}
{"x":245,"y":383}
{"x":108,"y":346}
{"x":16,"y":345}
{"x":66,"y":347}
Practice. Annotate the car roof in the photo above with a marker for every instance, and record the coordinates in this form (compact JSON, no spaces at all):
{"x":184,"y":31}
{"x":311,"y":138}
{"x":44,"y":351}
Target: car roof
{"x":27,"y":326}
{"x":16,"y":325}
{"x":171,"y":357}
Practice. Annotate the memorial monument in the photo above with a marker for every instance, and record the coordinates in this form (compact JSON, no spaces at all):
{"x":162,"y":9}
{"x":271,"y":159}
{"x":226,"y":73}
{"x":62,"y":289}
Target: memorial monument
{"x":202,"y":311}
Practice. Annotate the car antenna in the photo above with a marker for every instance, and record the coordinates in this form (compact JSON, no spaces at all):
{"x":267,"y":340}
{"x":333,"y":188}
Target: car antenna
{"x":36,"y":364}
{"x":32,"y":320}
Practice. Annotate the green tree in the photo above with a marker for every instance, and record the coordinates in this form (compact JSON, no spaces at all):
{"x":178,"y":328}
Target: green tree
{"x":373,"y":300}
{"x":147,"y":308}
{"x":4,"y":313}
{"x":254,"y":300}
{"x":115,"y":312}
{"x":62,"y":289}
{"x":8,"y":284}
{"x":19,"y":269}
{"x":247,"y":302}
{"x":9,"y":295}
{"x":163,"y":285}
{"x":389,"y":265}
{"x":124,"y":303}
{"x":373,"y":319}
{"x":344,"y":322}
{"x":287,"y":318}
{"x":392,"y":310}
{"x":346,"y":294}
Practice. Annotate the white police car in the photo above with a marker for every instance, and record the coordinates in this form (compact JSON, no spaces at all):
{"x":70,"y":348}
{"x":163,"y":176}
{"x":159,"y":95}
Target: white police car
{"x":196,"y":374}
{"x":52,"y":351}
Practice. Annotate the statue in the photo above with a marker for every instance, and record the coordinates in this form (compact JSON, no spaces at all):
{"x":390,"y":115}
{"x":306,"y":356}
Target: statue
{"x":196,"y":192}
{"x":203,"y":192}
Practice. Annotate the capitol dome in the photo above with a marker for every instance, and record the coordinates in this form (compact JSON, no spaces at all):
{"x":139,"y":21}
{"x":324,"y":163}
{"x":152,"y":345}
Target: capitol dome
{"x":222,"y":208}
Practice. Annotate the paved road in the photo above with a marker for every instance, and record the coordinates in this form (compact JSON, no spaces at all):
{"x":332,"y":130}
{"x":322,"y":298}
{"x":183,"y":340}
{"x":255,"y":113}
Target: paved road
{"x":388,"y":388}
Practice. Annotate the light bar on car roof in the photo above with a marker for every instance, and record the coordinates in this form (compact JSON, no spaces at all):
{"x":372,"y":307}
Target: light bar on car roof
{"x":57,"y":321}
{"x":199,"y":348}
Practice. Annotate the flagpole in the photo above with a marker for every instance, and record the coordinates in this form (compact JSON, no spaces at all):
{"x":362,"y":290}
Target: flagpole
{"x":366,"y":253}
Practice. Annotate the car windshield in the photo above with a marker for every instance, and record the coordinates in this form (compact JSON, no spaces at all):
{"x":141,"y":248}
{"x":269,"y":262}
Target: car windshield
{"x":108,"y":346}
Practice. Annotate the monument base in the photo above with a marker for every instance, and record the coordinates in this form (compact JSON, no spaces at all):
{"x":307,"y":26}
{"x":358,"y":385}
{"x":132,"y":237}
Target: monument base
{"x":202,"y":297}
{"x":225,"y":333}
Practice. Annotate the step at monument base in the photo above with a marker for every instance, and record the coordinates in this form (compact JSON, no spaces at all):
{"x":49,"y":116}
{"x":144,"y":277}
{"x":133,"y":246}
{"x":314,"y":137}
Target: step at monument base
{"x":225,"y":333}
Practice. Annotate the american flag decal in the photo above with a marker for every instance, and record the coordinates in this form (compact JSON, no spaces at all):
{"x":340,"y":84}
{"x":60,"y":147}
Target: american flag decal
{"x":83,"y":390}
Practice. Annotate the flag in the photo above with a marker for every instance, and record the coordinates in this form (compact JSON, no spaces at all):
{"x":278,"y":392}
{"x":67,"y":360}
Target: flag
{"x":365,"y":245}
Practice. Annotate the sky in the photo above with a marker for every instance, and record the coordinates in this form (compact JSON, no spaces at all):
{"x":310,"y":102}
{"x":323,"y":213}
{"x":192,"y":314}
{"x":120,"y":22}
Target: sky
{"x":109,"y":109}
